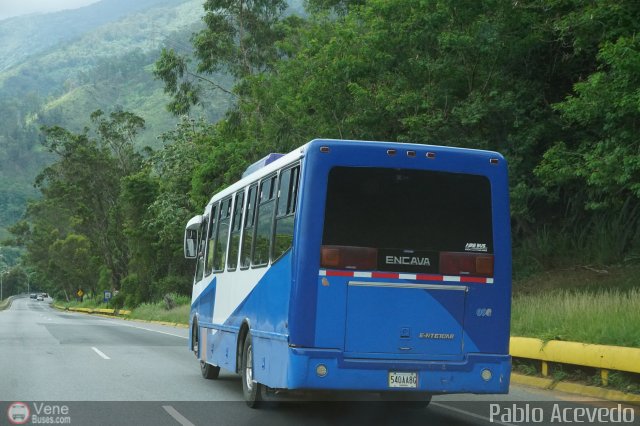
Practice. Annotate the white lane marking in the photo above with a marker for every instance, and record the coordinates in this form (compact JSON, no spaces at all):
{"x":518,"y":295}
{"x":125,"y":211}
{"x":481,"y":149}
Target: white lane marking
{"x":99,"y":352}
{"x":469,"y":413}
{"x":148,"y":329}
{"x":117,"y":323}
{"x":177,"y":416}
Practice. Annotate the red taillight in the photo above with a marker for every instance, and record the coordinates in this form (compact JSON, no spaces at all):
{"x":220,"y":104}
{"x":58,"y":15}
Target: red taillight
{"x":452,"y":263}
{"x":346,"y":257}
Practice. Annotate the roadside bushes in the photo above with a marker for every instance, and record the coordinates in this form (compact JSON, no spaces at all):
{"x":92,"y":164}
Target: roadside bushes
{"x":135,"y":291}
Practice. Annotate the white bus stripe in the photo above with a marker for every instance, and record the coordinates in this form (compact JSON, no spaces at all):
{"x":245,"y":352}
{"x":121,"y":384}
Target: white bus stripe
{"x":407,"y":277}
{"x":403,"y":276}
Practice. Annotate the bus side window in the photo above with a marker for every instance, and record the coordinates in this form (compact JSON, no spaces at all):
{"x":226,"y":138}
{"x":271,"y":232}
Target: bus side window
{"x":264,"y":221}
{"x":220,"y":252}
{"x":201,"y":250}
{"x":287,"y":197}
{"x":211,"y":240}
{"x":247,"y":237}
{"x":236,"y":226}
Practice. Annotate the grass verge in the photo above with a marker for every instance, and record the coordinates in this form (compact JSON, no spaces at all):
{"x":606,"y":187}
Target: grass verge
{"x":4,"y":304}
{"x":582,"y":304}
{"x":159,"y":312}
{"x":600,"y":306}
{"x":606,"y":317}
{"x":86,"y":303}
{"x":175,"y":309}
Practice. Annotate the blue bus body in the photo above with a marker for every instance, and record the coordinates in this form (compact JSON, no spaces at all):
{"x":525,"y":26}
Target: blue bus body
{"x":406,"y":327}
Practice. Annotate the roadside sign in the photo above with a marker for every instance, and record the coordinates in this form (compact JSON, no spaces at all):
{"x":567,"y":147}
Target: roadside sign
{"x":107,"y":296}
{"x":79,"y":293}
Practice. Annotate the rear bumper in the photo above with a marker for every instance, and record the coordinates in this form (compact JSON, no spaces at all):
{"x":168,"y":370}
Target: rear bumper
{"x":372,"y":374}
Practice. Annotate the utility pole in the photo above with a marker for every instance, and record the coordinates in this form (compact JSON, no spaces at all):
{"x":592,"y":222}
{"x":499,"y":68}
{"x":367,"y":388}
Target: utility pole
{"x":4,"y":271}
{"x":28,"y":282}
{"x":1,"y":275}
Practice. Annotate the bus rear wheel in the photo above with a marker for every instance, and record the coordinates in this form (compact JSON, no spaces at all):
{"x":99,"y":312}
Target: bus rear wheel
{"x":209,"y":371}
{"x":252,"y":390}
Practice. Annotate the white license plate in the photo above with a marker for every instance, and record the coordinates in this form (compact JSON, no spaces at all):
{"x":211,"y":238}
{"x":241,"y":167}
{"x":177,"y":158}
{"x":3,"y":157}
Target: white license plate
{"x":403,"y":379}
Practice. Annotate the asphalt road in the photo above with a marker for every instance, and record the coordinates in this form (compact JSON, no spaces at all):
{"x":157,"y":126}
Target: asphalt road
{"x":70,"y":367}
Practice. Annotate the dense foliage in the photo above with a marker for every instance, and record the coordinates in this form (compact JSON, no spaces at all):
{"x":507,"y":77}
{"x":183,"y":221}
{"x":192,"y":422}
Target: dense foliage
{"x":57,"y":68}
{"x":551,"y":84}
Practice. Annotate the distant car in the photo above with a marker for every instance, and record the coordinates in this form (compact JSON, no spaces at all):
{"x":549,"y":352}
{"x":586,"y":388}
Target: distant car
{"x":40,"y":298}
{"x":33,"y":295}
{"x":45,"y":295}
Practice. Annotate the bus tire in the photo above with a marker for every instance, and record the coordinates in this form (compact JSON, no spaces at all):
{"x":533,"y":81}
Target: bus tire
{"x":195,"y":339}
{"x":208,"y":371}
{"x":251,"y":389}
{"x":406,"y":399}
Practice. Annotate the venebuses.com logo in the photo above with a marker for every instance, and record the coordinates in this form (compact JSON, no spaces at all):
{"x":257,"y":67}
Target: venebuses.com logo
{"x":19,"y":413}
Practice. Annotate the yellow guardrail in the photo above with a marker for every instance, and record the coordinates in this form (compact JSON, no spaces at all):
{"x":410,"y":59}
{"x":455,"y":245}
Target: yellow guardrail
{"x":603,"y":357}
{"x":4,"y":304}
{"x":95,"y":311}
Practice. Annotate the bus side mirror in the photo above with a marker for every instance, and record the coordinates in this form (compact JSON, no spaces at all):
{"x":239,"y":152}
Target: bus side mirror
{"x":190,"y":243}
{"x":191,"y":237}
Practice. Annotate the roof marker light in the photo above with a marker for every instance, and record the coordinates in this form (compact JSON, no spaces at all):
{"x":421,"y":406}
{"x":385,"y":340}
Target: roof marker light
{"x":324,"y":149}
{"x":411,"y":153}
{"x":431,"y":155}
{"x":493,"y":161}
{"x":391,"y":151}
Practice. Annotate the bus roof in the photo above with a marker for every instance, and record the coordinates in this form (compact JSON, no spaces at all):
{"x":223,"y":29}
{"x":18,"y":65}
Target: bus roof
{"x":264,"y":171}
{"x":255,"y":172}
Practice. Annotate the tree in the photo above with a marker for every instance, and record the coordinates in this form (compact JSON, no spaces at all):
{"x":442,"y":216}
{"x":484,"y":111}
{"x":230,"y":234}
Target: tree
{"x":85,"y":182}
{"x":239,"y":39}
{"x":71,"y":265}
{"x":603,"y":158}
{"x":475,"y":74}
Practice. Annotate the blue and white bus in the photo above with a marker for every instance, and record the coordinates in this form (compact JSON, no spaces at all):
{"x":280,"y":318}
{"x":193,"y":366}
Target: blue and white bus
{"x":360,"y":266}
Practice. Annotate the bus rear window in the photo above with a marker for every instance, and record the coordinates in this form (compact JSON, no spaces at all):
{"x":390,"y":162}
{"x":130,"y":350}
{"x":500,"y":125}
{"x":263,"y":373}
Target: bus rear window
{"x":411,"y":218}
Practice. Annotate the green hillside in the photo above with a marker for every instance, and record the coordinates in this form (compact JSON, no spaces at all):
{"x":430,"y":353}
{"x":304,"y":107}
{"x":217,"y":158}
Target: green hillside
{"x":26,"y":36}
{"x":99,"y":57}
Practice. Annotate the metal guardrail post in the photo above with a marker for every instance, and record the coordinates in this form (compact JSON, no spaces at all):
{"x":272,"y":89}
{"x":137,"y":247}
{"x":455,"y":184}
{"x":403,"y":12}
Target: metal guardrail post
{"x":604,"y":377}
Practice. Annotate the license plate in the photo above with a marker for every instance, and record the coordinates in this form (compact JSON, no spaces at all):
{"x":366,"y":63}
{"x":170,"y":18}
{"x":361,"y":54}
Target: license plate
{"x":403,"y":379}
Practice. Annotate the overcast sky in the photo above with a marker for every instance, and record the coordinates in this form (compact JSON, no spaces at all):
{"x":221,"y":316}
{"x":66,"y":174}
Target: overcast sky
{"x":10,"y":8}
